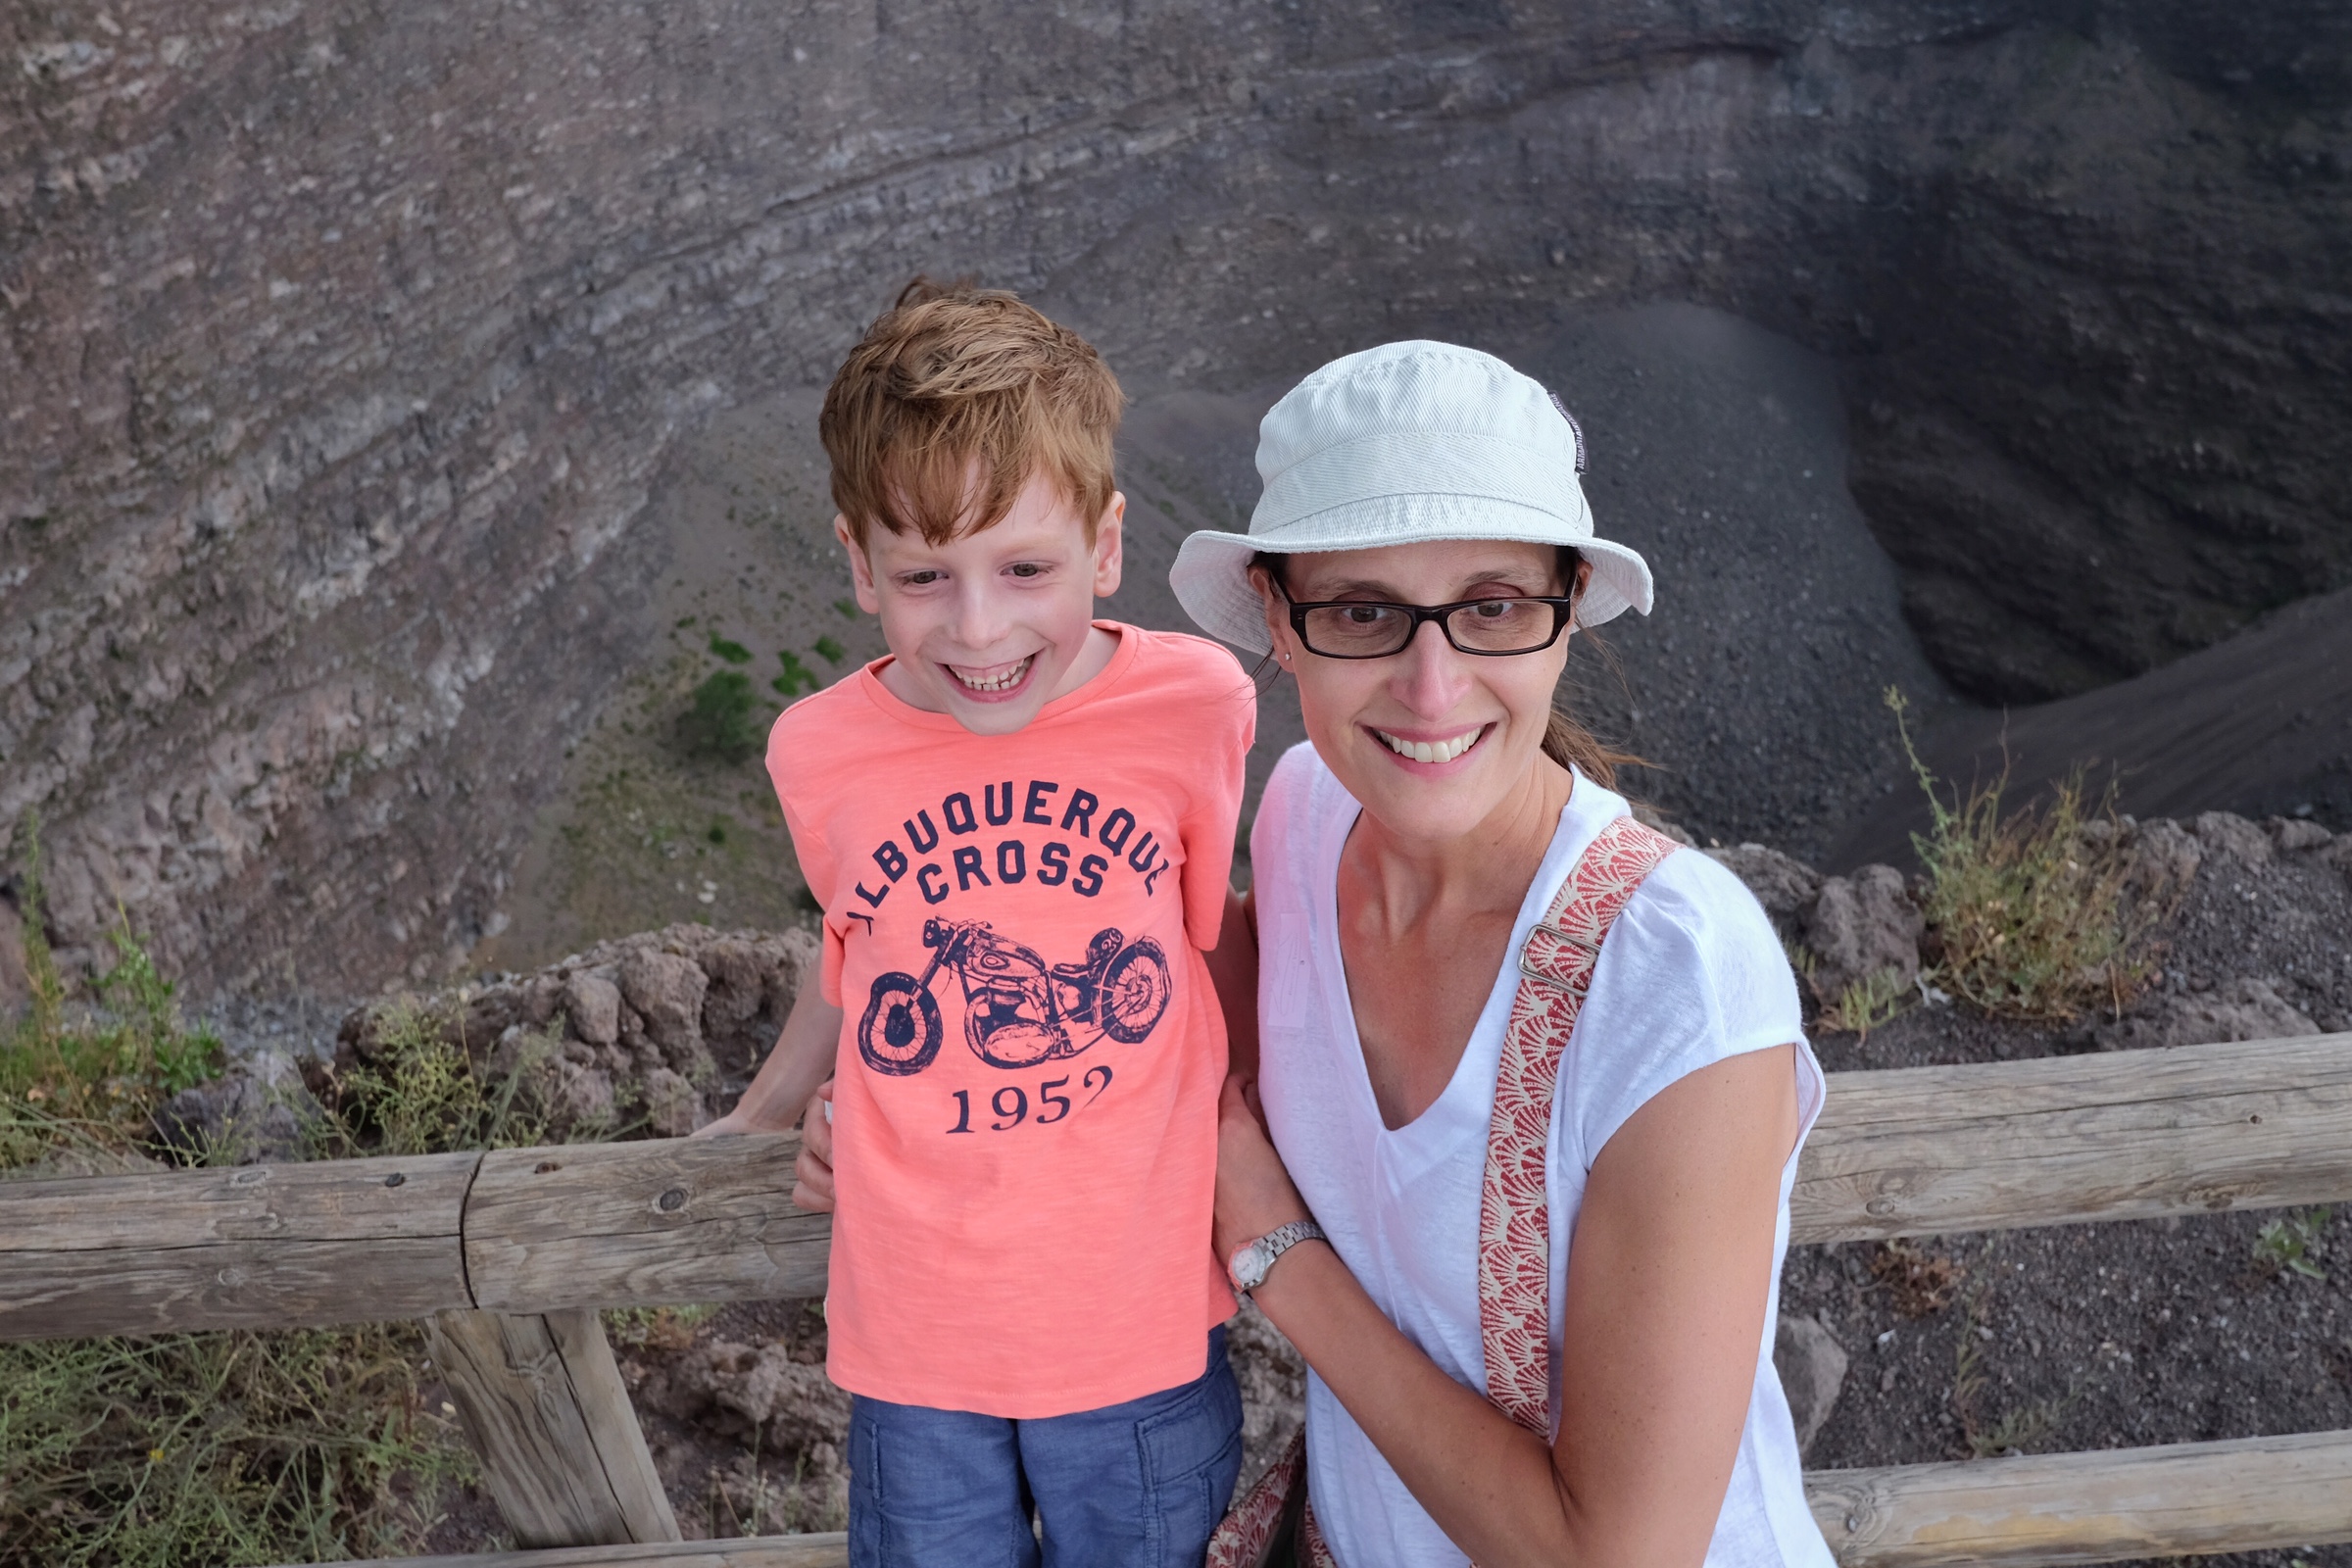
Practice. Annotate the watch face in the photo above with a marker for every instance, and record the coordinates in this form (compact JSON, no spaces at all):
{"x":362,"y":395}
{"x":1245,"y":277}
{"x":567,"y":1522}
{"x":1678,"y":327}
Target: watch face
{"x":1249,"y":1266}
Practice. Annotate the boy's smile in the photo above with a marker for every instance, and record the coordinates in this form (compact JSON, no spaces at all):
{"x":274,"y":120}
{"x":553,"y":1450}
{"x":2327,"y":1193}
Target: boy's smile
{"x":991,"y":626}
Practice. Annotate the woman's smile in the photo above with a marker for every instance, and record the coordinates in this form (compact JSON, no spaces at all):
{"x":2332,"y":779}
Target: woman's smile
{"x":1424,"y":750}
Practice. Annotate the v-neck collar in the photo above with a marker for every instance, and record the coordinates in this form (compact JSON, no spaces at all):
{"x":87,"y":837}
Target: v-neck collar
{"x":1464,"y":1105}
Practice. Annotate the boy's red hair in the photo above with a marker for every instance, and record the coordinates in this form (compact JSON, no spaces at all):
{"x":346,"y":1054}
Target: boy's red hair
{"x":952,"y":401}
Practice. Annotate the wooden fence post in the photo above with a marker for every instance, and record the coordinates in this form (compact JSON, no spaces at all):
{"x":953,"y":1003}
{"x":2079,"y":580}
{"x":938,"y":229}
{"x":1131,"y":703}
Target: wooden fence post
{"x":543,"y":1400}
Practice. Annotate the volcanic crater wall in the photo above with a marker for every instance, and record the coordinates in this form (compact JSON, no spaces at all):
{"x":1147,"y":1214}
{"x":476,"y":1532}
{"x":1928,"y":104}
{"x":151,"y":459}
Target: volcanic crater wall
{"x":341,"y":344}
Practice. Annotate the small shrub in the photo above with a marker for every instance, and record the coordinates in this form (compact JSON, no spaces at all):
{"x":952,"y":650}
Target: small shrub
{"x":2026,"y":913}
{"x":310,"y":1445}
{"x":419,"y":1091}
{"x":831,"y":651}
{"x":734,"y":653}
{"x":2290,"y":1244}
{"x":2017,"y":1429}
{"x":796,"y":675}
{"x":656,"y":1328}
{"x":1866,"y":1003}
{"x":723,"y":721}
{"x":91,"y":1080}
{"x":847,"y":608}
{"x":1919,"y":1282}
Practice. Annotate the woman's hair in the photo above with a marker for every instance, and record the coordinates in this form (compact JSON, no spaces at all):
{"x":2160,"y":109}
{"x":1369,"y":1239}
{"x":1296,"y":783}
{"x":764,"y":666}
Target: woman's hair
{"x":1566,"y":741}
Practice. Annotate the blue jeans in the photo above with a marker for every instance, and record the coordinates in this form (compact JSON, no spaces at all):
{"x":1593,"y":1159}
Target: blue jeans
{"x":1139,"y":1484}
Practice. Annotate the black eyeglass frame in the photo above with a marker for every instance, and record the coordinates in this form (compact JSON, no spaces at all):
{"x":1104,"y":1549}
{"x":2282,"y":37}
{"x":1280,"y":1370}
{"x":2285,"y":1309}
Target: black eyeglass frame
{"x":1563,"y":615}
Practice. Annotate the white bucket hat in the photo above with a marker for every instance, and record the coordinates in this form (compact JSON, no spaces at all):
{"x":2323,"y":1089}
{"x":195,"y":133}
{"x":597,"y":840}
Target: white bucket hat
{"x":1398,"y":444}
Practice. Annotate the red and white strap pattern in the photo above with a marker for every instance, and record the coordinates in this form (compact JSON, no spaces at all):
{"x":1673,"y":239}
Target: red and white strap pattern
{"x":1514,"y":1222}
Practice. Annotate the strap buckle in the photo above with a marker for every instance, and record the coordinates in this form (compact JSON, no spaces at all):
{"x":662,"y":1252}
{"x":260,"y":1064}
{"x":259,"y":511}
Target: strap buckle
{"x":1563,"y":937}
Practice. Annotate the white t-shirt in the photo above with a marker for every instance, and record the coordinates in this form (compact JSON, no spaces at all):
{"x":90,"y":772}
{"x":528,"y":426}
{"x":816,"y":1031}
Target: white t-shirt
{"x":1690,"y":974}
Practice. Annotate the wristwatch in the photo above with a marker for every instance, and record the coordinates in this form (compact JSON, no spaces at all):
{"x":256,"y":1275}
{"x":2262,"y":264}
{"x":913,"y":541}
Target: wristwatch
{"x":1251,"y":1259}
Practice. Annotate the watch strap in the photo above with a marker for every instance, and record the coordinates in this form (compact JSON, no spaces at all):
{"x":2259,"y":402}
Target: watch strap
{"x":1270,"y":1246}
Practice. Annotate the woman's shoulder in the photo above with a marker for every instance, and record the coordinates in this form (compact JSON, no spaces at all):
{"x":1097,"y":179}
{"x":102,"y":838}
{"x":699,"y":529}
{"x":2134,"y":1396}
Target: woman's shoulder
{"x":1692,"y":905}
{"x":1300,"y":784}
{"x":1301,"y":800}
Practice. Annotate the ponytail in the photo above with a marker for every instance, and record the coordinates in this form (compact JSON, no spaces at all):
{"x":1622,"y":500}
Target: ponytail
{"x":1571,"y":745}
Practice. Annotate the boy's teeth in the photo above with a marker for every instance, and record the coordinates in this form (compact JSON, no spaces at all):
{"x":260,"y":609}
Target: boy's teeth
{"x":1432,"y":750}
{"x":995,"y":683}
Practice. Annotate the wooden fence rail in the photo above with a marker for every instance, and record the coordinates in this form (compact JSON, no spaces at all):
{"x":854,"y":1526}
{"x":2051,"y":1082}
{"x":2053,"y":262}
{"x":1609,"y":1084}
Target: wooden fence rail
{"x":508,"y":1251}
{"x":2252,"y":1494}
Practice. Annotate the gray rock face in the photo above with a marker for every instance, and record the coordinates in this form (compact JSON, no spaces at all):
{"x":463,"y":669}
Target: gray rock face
{"x":2243,"y":1009}
{"x":345,"y":343}
{"x":2294,"y":837}
{"x":659,"y":1026}
{"x":1860,"y":927}
{"x":254,"y":1113}
{"x":664,"y":996}
{"x":2227,"y":833}
{"x":592,"y":1001}
{"x":2165,"y":858}
{"x":1812,"y":1367}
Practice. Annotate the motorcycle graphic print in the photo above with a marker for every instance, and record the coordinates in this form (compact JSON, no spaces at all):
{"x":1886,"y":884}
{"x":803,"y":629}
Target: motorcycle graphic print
{"x":1019,"y":1010}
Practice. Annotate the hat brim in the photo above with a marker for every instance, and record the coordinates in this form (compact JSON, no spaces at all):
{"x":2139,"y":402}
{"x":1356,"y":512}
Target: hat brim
{"x":1212,"y":574}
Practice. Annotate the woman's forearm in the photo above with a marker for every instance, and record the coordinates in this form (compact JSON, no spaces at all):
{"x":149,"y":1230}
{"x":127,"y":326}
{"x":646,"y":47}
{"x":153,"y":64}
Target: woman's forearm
{"x":1490,"y":1484}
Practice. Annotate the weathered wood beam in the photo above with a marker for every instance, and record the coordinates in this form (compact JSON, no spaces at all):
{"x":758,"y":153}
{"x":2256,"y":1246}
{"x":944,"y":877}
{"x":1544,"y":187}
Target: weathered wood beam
{"x":2063,"y":1140}
{"x":549,"y":1416}
{"x":252,"y":1247}
{"x":2125,"y":1135}
{"x":749,"y":1551}
{"x":678,"y":1222}
{"x":2188,"y":1500}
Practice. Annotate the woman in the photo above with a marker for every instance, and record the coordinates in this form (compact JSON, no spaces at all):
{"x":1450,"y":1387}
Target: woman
{"x":1421,"y":553}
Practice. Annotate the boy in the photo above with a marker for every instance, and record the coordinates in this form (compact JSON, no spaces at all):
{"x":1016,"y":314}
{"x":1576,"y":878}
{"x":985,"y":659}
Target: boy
{"x":1020,"y":824}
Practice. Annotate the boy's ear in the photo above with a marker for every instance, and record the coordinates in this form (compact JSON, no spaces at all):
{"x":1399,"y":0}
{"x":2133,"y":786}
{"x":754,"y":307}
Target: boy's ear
{"x":861,"y":570}
{"x":1109,"y":547}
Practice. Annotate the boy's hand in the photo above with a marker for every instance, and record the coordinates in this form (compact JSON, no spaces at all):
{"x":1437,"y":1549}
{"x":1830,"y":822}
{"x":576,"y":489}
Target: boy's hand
{"x":1254,"y":1191}
{"x":812,"y":1187}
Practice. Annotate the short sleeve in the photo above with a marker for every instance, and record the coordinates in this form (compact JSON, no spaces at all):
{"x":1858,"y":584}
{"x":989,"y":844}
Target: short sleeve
{"x":818,"y":867}
{"x":1228,"y":706}
{"x":1690,"y":974}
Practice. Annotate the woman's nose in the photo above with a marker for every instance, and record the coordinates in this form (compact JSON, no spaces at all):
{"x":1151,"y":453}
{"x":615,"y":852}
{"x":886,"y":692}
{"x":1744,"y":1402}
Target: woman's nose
{"x":1431,"y":677}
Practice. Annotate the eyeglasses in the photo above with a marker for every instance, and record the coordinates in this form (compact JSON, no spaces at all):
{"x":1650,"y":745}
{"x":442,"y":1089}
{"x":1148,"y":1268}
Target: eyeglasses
{"x":1490,"y":628}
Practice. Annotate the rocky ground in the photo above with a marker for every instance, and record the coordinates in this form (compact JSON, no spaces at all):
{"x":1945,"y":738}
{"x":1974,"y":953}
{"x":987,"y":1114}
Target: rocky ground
{"x":2029,"y":1342}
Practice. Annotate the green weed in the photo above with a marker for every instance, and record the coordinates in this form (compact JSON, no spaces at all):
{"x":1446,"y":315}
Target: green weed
{"x":734,"y":653}
{"x":831,"y":651}
{"x":847,"y":608}
{"x":661,"y":1327}
{"x":90,"y":1078}
{"x":417,"y":1090}
{"x":796,"y":675}
{"x":2026,"y":913}
{"x":2017,"y":1430}
{"x":2290,"y":1244}
{"x":197,"y":1450}
{"x":723,"y":721}
{"x":1866,"y":1003}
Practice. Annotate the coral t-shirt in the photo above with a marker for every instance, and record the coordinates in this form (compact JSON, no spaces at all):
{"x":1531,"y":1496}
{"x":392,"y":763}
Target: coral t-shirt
{"x":1025,"y":1102}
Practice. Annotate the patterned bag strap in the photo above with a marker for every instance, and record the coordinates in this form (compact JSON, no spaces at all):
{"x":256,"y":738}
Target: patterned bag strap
{"x":1514,"y":1222}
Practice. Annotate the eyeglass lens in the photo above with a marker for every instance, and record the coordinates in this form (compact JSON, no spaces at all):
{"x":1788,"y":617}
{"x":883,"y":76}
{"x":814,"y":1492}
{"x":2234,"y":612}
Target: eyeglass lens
{"x":1368,"y":630}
